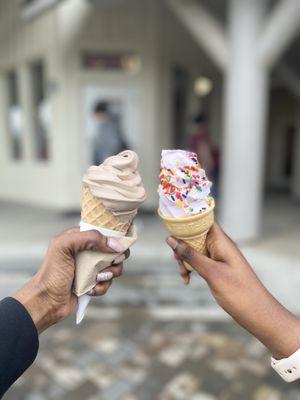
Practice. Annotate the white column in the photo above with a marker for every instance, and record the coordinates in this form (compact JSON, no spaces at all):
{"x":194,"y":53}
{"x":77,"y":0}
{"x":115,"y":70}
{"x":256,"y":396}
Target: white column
{"x":245,"y":117}
{"x":280,"y":28}
{"x":207,"y":31}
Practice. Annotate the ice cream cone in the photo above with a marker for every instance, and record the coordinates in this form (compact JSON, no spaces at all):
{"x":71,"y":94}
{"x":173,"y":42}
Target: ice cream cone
{"x":192,"y":229}
{"x":93,"y":212}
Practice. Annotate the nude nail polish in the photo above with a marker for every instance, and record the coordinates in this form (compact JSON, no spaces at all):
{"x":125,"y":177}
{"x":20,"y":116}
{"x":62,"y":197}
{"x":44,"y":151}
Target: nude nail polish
{"x":172,"y":242}
{"x":115,"y":245}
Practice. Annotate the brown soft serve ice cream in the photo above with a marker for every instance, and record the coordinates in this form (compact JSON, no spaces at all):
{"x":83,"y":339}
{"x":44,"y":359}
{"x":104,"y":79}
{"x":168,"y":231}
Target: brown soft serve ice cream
{"x":117,"y":184}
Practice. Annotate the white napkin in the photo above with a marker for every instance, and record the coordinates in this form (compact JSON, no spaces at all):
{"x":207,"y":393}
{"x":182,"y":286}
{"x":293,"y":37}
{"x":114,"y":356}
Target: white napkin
{"x":90,"y":263}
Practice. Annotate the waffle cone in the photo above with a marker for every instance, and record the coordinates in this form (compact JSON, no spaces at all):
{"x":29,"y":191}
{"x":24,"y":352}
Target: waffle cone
{"x":193,"y":229}
{"x":94,"y":212}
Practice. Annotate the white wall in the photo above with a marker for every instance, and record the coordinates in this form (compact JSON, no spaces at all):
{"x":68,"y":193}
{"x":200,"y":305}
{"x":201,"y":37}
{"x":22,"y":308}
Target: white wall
{"x":31,"y":180}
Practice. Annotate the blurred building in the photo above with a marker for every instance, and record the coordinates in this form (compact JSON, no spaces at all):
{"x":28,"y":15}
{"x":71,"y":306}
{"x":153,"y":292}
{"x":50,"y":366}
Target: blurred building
{"x":57,"y":58}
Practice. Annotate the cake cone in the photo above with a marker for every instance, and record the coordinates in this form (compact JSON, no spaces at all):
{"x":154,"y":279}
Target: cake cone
{"x":192,"y":229}
{"x":94,"y":212}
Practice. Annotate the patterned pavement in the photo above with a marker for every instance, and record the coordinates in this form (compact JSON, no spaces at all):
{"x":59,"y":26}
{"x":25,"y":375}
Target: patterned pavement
{"x":149,"y":339}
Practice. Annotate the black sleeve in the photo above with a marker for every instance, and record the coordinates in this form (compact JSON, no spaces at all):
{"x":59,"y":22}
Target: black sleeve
{"x":19,"y":342}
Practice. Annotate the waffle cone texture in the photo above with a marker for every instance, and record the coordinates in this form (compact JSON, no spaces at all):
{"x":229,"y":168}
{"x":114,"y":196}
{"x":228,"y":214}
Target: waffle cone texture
{"x":193,"y":229}
{"x":94,"y":212}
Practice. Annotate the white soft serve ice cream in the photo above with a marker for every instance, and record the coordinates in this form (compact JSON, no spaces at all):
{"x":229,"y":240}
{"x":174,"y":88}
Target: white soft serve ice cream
{"x":184,"y":188}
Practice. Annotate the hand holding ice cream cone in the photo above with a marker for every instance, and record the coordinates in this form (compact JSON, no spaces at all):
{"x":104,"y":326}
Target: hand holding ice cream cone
{"x":112,"y":193}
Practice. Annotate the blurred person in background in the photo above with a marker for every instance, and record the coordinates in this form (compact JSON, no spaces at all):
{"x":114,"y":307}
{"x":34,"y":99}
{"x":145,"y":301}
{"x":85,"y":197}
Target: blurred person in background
{"x":48,"y":298}
{"x":238,"y":290}
{"x":108,"y":139}
{"x":199,"y":141}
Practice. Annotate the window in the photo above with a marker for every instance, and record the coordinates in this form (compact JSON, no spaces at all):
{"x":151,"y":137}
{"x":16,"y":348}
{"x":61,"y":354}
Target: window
{"x":14,"y":116}
{"x":41,"y":118}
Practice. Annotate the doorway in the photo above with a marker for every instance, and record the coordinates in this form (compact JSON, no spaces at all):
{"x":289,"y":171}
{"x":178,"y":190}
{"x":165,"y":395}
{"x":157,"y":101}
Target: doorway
{"x":122,"y":108}
{"x":283,"y":119}
{"x":180,"y":80}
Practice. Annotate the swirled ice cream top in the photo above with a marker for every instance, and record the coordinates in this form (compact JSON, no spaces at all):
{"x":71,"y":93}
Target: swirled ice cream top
{"x":117,"y":182}
{"x":184,"y":187}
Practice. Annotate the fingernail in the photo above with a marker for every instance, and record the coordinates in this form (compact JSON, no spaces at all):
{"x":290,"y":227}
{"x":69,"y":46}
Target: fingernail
{"x":115,"y":245}
{"x":172,"y":242}
{"x":119,"y":259}
{"x":105,"y":276}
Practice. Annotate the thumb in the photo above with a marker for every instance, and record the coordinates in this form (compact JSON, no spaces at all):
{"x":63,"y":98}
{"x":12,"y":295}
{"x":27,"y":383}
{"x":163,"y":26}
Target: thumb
{"x":89,"y":240}
{"x":198,"y":261}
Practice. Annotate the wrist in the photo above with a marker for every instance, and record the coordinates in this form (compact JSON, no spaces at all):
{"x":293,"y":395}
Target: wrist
{"x":288,"y":338}
{"x":33,"y":297}
{"x":275,"y":327}
{"x":263,"y":316}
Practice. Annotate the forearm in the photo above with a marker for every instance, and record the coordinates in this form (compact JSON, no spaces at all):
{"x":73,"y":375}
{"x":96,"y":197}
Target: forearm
{"x":271,"y":323}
